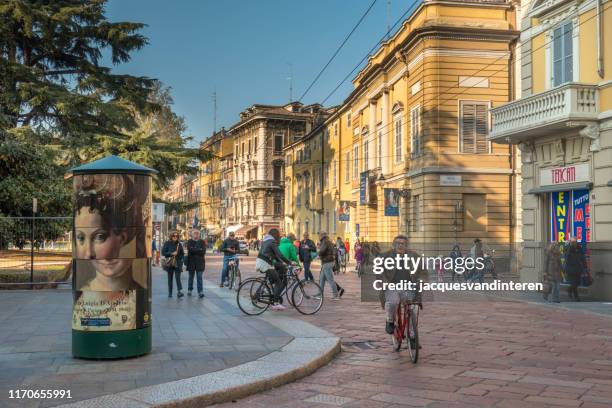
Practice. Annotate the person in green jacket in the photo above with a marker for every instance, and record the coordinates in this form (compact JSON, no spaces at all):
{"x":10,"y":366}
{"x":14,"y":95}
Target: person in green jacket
{"x":287,"y":248}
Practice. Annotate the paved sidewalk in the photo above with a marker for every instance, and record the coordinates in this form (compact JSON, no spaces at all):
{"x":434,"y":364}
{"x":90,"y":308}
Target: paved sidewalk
{"x":191,"y":337}
{"x":482,"y":352}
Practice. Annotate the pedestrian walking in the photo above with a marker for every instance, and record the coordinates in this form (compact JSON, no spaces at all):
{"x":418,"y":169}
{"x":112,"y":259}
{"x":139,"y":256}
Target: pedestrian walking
{"x":154,"y":251}
{"x":328,"y":255}
{"x":307,"y":253}
{"x":575,"y":265}
{"x":551,"y":278}
{"x":173,"y":254}
{"x":347,"y":249}
{"x":196,"y":263}
{"x":358,"y":256}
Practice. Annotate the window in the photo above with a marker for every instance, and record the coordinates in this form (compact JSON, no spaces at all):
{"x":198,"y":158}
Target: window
{"x":255,"y":147}
{"x":242,"y":149}
{"x":348,"y":119}
{"x":277,"y":173}
{"x":278,"y":206}
{"x":366,"y":156}
{"x":474,"y":127}
{"x":347,"y":167}
{"x":298,"y":193}
{"x":355,"y":161}
{"x":327,"y":221}
{"x":475,"y":212}
{"x":249,"y":146}
{"x":334,"y":175}
{"x":398,"y":139}
{"x":278,"y":142}
{"x":288,"y":160}
{"x":335,"y":129}
{"x":335,"y":220}
{"x":326,"y":177}
{"x":562,"y":54}
{"x":415,"y":131}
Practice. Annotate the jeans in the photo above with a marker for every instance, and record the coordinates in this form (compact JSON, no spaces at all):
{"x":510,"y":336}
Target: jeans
{"x":176,"y":271}
{"x":327,"y":274}
{"x":307,"y":272}
{"x":393,"y":298}
{"x":226,"y":260}
{"x":198,"y":275}
{"x":554,"y":288}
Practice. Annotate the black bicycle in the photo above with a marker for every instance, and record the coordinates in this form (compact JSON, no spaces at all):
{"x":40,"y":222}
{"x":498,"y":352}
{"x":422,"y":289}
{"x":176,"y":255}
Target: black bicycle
{"x":235,"y":277}
{"x":255,"y":295}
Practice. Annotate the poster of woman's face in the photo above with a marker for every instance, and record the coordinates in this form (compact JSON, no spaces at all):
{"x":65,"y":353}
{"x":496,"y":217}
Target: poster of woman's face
{"x":113,"y":231}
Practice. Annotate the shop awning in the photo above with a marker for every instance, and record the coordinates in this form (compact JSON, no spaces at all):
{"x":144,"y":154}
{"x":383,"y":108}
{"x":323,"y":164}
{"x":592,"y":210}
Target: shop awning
{"x":245,"y":229}
{"x":233,"y":228}
{"x":562,"y":187}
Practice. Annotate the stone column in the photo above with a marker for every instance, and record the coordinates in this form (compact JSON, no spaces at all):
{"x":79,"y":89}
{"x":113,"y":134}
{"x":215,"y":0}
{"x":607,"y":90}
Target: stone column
{"x":386,"y":159}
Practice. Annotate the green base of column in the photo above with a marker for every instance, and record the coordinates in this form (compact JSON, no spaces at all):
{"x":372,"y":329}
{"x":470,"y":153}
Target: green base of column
{"x":115,"y":344}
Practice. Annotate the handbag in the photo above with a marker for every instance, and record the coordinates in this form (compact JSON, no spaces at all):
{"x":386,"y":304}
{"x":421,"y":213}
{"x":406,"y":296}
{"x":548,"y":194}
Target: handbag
{"x":169,"y":262}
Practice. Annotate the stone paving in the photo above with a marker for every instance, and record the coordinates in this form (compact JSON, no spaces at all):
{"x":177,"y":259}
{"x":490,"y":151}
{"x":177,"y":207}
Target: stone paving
{"x":481,"y":352}
{"x":190,"y":337}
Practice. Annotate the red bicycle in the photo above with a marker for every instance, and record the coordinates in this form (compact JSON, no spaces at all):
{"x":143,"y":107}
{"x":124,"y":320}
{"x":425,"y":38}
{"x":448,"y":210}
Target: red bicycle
{"x":407,"y":328}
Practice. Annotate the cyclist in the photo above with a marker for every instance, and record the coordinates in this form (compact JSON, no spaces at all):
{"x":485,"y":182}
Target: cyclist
{"x":230,"y":248}
{"x":271,"y":262}
{"x":390,"y":299}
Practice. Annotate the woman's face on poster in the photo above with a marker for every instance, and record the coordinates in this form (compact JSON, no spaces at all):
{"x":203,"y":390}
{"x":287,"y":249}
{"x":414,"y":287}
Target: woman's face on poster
{"x":100,"y":245}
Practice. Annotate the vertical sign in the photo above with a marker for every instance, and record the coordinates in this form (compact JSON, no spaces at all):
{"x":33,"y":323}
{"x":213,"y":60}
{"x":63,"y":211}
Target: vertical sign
{"x":560,"y":216}
{"x":581,"y":215}
{"x":363,"y":188}
{"x":391,"y":202}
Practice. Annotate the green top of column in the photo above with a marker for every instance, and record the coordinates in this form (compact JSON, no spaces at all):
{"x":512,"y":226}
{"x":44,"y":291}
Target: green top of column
{"x":110,"y":165}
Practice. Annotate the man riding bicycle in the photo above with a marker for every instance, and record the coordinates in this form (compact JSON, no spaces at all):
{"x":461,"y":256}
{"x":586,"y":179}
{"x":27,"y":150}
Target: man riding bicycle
{"x":390,"y":299}
{"x":230,"y":248}
{"x":271,"y":262}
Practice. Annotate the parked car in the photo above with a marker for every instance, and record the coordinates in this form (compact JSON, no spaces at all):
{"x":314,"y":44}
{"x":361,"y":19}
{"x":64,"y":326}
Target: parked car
{"x":244,"y":247}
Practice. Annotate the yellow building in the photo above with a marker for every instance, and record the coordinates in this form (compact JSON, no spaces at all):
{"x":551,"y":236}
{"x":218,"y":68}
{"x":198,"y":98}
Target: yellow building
{"x":563,"y":126}
{"x":413,"y":156}
{"x":310,"y":186}
{"x":212,"y":204}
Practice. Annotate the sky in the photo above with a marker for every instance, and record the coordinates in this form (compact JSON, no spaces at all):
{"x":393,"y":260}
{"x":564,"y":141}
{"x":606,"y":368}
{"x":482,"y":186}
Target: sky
{"x":244,"y":50}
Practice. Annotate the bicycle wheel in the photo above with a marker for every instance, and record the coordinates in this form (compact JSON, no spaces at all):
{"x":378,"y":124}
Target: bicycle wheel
{"x":412,"y":333}
{"x":254,"y":296}
{"x":398,"y":332}
{"x":307,"y":297}
{"x":288,"y":291}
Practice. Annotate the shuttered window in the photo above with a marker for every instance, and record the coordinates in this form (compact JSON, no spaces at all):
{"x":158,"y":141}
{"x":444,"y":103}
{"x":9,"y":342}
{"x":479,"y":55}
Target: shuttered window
{"x":474,"y":127}
{"x":415,"y":131}
{"x":563,"y":64}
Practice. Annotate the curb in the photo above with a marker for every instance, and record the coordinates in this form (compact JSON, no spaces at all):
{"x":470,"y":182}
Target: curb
{"x":310,"y":349}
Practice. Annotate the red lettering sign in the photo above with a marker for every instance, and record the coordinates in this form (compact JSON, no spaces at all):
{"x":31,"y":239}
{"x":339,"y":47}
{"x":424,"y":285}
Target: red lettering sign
{"x":579,"y":215}
{"x":564,"y":175}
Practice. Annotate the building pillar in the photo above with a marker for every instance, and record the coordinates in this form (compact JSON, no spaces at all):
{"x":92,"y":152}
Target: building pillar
{"x":386,"y":160}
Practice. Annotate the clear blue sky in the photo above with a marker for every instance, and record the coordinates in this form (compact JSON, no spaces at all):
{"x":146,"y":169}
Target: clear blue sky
{"x":243,"y":48}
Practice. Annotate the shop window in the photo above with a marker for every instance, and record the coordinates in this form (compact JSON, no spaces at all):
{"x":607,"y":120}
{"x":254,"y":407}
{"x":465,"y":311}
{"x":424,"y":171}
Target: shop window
{"x":474,"y":212}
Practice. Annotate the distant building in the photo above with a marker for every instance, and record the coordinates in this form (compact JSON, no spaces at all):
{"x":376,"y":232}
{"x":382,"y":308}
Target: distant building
{"x":258,"y":164}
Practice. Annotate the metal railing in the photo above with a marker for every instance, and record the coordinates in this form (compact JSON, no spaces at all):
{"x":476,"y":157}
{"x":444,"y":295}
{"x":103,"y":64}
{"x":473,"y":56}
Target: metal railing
{"x":35,"y":252}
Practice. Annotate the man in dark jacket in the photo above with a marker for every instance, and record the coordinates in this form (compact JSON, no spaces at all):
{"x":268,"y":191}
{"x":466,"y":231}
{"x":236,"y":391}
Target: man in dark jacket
{"x":271,"y":262}
{"x":575,"y":264}
{"x":196,"y":249}
{"x":390,"y":299}
{"x":327,"y":253}
{"x":230,"y":248}
{"x":307,"y":248}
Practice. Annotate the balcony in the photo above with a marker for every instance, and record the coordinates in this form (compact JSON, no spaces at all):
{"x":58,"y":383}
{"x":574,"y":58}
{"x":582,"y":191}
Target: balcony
{"x":265,"y":185}
{"x":569,"y":105}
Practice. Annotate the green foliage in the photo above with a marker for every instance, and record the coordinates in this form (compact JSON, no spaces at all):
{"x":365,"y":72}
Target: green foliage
{"x":59,"y":107}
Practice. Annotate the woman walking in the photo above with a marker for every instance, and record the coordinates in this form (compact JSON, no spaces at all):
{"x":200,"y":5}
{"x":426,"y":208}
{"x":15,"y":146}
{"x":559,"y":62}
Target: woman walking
{"x":552,"y":272}
{"x":575,"y":265}
{"x":173,"y":254}
{"x":358,"y":256}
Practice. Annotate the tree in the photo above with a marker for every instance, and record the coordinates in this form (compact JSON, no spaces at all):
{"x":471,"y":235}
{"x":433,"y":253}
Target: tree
{"x":50,"y":72}
{"x":57,"y":98}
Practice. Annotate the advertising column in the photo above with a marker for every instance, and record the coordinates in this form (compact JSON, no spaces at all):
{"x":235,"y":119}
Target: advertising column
{"x":111,"y":281}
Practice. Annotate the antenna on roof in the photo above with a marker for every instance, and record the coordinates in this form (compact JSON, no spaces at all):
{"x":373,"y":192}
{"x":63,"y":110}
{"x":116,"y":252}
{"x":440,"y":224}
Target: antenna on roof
{"x":214,"y":96}
{"x":290,"y":78}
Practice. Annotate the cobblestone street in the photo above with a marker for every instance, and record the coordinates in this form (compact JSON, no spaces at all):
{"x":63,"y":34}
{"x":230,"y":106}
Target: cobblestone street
{"x":484,"y":353}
